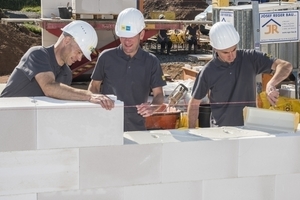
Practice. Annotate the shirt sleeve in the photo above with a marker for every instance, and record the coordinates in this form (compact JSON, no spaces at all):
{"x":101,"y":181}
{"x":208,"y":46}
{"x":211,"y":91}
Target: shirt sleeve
{"x":200,"y":87}
{"x":262,"y":61}
{"x":35,"y":61}
{"x":157,"y":76}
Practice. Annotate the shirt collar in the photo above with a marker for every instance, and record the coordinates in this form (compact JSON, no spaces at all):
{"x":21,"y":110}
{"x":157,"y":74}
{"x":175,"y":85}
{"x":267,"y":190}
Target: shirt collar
{"x":221,"y":63}
{"x":138,"y":54}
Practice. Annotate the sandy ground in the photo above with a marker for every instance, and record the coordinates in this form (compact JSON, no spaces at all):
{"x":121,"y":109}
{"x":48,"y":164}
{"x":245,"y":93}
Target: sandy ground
{"x":3,"y":79}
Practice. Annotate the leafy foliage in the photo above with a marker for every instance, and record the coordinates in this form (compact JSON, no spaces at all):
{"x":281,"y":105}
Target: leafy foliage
{"x":36,"y":9}
{"x":18,"y":4}
{"x":33,"y":28}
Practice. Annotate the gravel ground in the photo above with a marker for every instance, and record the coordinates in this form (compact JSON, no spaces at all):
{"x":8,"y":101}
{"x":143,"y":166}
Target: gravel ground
{"x":179,"y":57}
{"x":176,"y":56}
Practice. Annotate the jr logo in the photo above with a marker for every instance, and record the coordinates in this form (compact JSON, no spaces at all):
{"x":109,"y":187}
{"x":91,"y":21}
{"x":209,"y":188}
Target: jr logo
{"x":272,"y":29}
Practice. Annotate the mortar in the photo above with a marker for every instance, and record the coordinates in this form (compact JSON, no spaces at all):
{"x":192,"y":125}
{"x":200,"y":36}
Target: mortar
{"x":163,"y":120}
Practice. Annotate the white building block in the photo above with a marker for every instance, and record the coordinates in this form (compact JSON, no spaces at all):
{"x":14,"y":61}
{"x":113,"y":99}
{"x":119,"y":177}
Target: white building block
{"x":185,"y":135}
{"x":51,"y":7}
{"x":174,"y":191}
{"x":18,"y":124}
{"x":269,"y":156}
{"x":2,"y":86}
{"x":89,"y":194}
{"x":63,"y":124}
{"x":287,"y":187}
{"x":258,"y":188}
{"x":19,"y":197}
{"x":120,"y":165}
{"x":159,"y":136}
{"x":24,"y":172}
{"x":274,"y":120}
{"x":102,"y":6}
{"x":191,"y":161}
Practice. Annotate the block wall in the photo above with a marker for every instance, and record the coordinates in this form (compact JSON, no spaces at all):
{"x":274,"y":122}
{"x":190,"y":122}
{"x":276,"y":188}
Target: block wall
{"x":197,"y":164}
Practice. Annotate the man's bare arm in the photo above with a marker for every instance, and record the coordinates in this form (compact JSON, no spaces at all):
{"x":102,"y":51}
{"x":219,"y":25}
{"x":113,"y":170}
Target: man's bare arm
{"x":193,"y":112}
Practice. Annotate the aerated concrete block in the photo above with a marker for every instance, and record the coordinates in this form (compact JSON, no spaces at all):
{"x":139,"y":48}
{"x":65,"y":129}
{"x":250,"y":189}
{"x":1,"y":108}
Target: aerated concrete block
{"x":62,"y":124}
{"x":18,"y":124}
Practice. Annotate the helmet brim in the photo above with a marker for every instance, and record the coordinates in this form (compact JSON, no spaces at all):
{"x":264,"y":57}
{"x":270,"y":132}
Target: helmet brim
{"x":126,"y":34}
{"x":87,"y":55}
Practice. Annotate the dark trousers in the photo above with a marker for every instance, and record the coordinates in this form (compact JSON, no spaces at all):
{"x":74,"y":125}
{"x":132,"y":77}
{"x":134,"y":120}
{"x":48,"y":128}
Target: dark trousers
{"x":193,"y":41}
{"x":163,"y":43}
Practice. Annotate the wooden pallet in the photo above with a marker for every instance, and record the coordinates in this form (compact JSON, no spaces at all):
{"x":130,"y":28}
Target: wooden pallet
{"x":94,"y":16}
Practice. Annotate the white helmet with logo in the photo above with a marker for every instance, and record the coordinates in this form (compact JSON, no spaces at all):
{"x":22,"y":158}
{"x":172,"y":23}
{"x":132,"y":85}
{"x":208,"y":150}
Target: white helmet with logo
{"x":223,"y":35}
{"x":130,"y":22}
{"x":84,"y":35}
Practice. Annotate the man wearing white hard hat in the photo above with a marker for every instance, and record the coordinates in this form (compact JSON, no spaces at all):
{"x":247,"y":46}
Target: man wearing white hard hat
{"x":229,"y":79}
{"x":129,"y":72}
{"x":44,"y":71}
{"x":163,"y":38}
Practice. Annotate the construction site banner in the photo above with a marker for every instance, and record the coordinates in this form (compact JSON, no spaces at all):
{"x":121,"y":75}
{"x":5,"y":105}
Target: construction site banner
{"x":227,"y":16}
{"x":279,"y":26}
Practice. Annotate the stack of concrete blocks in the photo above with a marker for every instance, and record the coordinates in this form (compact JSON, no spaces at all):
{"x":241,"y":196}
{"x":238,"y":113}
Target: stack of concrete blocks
{"x":62,"y":150}
{"x":288,"y":90}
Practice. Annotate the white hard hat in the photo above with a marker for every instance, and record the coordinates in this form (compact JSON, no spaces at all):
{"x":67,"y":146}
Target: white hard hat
{"x":84,"y":35}
{"x":161,"y":16}
{"x":223,"y":35}
{"x":130,"y":22}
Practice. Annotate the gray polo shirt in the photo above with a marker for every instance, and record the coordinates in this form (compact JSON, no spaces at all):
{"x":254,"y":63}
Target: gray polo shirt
{"x":232,"y":86}
{"x":130,"y":79}
{"x":21,"y":82}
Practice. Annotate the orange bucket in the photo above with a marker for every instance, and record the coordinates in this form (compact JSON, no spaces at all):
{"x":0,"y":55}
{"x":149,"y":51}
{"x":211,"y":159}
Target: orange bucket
{"x":163,"y":120}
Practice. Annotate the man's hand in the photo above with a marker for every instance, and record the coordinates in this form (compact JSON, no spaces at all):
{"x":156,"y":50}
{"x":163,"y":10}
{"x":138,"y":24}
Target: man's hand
{"x":103,"y":100}
{"x":146,"y":109}
{"x":272,"y":94}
